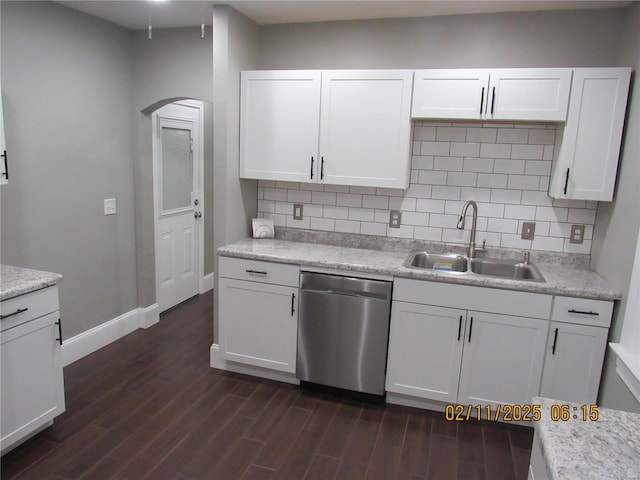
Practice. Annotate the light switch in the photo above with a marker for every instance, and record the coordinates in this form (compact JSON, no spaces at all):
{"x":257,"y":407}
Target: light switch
{"x":528,"y":230}
{"x":109,"y":206}
{"x":297,"y":211}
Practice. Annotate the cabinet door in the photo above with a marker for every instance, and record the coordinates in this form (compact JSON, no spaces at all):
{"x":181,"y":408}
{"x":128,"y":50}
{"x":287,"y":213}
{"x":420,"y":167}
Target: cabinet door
{"x":4,"y":173}
{"x":587,"y":161}
{"x":573,"y":362}
{"x":538,"y":94}
{"x":454,"y":94}
{"x":365,"y":128}
{"x":259,"y":324}
{"x":425,"y":350}
{"x":502,"y":359}
{"x":32,"y":384}
{"x":279,"y":124}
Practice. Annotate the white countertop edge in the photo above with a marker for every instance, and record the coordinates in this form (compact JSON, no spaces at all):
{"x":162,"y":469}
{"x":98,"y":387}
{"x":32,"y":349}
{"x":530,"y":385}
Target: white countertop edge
{"x":628,"y":368}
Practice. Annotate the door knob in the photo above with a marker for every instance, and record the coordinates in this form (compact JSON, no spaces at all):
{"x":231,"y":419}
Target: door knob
{"x":197,"y":215}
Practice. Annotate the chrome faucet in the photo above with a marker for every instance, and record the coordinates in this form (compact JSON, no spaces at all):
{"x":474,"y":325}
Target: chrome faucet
{"x":471,"y":250}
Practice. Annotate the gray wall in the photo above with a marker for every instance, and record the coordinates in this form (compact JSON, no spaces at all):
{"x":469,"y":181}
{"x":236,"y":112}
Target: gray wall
{"x":560,"y":38}
{"x":235,"y":43}
{"x":617,"y":223}
{"x":176,"y":63}
{"x":65,"y":81}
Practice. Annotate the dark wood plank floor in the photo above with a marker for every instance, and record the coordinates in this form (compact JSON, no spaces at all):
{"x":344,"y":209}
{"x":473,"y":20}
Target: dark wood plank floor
{"x":149,"y":406}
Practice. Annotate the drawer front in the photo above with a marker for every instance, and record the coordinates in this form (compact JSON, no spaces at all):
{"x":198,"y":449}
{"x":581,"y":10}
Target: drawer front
{"x":21,"y":309}
{"x":582,"y":311}
{"x":259,"y":271}
{"x":507,"y":302}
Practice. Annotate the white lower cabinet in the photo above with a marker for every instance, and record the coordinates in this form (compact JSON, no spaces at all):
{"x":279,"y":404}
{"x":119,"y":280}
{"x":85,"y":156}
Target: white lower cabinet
{"x":575,"y":349}
{"x":258,"y":318}
{"x":32,"y":384}
{"x":425,"y":351}
{"x":465,"y":356}
{"x":502,"y":359}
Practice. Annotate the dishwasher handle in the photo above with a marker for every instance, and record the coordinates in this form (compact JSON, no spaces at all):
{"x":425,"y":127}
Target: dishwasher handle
{"x":347,"y":293}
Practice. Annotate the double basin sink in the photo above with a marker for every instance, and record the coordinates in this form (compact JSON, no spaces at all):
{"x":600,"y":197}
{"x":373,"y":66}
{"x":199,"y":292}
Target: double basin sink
{"x":461,"y":265}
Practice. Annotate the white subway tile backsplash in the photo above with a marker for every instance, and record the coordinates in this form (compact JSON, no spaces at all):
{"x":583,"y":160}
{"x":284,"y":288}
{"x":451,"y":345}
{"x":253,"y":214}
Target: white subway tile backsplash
{"x":489,"y":180}
{"x":514,"y":167}
{"x":370,"y":228}
{"x":523,"y":182}
{"x":461,"y":179}
{"x":465,"y":149}
{"x":451,"y":134}
{"x":495,"y":150}
{"x":512,"y":135}
{"x":327,"y":224}
{"x":504,"y":168}
{"x":542,"y":137}
{"x":527,"y":152}
{"x":478,"y":165}
{"x":361,"y":214}
{"x":430,"y":205}
{"x":349,"y":200}
{"x":375,"y":201}
{"x":347,"y":226}
{"x":434,"y":148}
{"x":481,"y":135}
{"x":449,"y":164}
{"x":298,"y":196}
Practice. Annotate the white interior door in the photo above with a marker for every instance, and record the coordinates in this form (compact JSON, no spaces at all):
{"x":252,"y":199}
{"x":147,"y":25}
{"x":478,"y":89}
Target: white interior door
{"x":178,"y":208}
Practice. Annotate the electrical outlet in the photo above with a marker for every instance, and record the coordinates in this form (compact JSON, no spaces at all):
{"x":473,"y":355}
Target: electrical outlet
{"x":395,"y":218}
{"x":528,"y":230}
{"x":297,"y":211}
{"x":577,"y":234}
{"x":109,"y":206}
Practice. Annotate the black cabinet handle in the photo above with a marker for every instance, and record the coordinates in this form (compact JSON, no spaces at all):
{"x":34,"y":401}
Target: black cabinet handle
{"x":311,"y":167}
{"x":258,"y":272}
{"x":459,"y":327}
{"x":321,"y":168}
{"x":470,"y":328}
{"x":555,"y":339}
{"x":17,"y":312}
{"x":493,"y":99}
{"x":583,"y":312}
{"x":6,"y":165}
{"x":59,"y":339}
{"x":566,"y":182}
{"x":481,"y":100}
{"x":293,"y":302}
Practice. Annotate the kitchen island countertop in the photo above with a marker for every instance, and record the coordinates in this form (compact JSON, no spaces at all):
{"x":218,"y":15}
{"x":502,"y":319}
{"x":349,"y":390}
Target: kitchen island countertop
{"x":608,"y":448}
{"x":560,"y":279}
{"x":15,"y":281}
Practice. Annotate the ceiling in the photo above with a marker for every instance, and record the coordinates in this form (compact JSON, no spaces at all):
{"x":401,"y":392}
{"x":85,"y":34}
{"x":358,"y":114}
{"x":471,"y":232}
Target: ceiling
{"x":137,"y":14}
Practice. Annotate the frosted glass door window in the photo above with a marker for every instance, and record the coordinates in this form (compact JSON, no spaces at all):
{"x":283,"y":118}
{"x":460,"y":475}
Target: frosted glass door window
{"x":177,"y":169}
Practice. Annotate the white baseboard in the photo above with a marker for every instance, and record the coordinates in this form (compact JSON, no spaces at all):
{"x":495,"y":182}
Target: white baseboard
{"x":207,"y":283}
{"x":217,"y":361}
{"x":94,"y":339}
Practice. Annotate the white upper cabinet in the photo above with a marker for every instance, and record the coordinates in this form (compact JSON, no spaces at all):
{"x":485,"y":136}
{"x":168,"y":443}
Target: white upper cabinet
{"x":588,"y":146}
{"x":279,"y":124}
{"x":454,"y":94}
{"x":365,"y":128}
{"x":523,"y":94}
{"x":341,"y":127}
{"x":4,"y":173}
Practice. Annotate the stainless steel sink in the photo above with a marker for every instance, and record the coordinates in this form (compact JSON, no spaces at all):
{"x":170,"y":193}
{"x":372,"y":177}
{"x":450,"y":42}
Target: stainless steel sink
{"x":505,"y":269}
{"x":461,"y":265}
{"x":436,"y":261}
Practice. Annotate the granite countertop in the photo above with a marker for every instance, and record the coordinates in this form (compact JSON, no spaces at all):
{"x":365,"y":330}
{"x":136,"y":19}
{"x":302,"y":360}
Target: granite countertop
{"x":16,"y":281}
{"x":561,"y":279}
{"x":577,"y":450}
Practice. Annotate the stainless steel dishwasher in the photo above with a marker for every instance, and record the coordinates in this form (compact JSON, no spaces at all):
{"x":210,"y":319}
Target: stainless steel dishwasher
{"x":343,"y":332}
